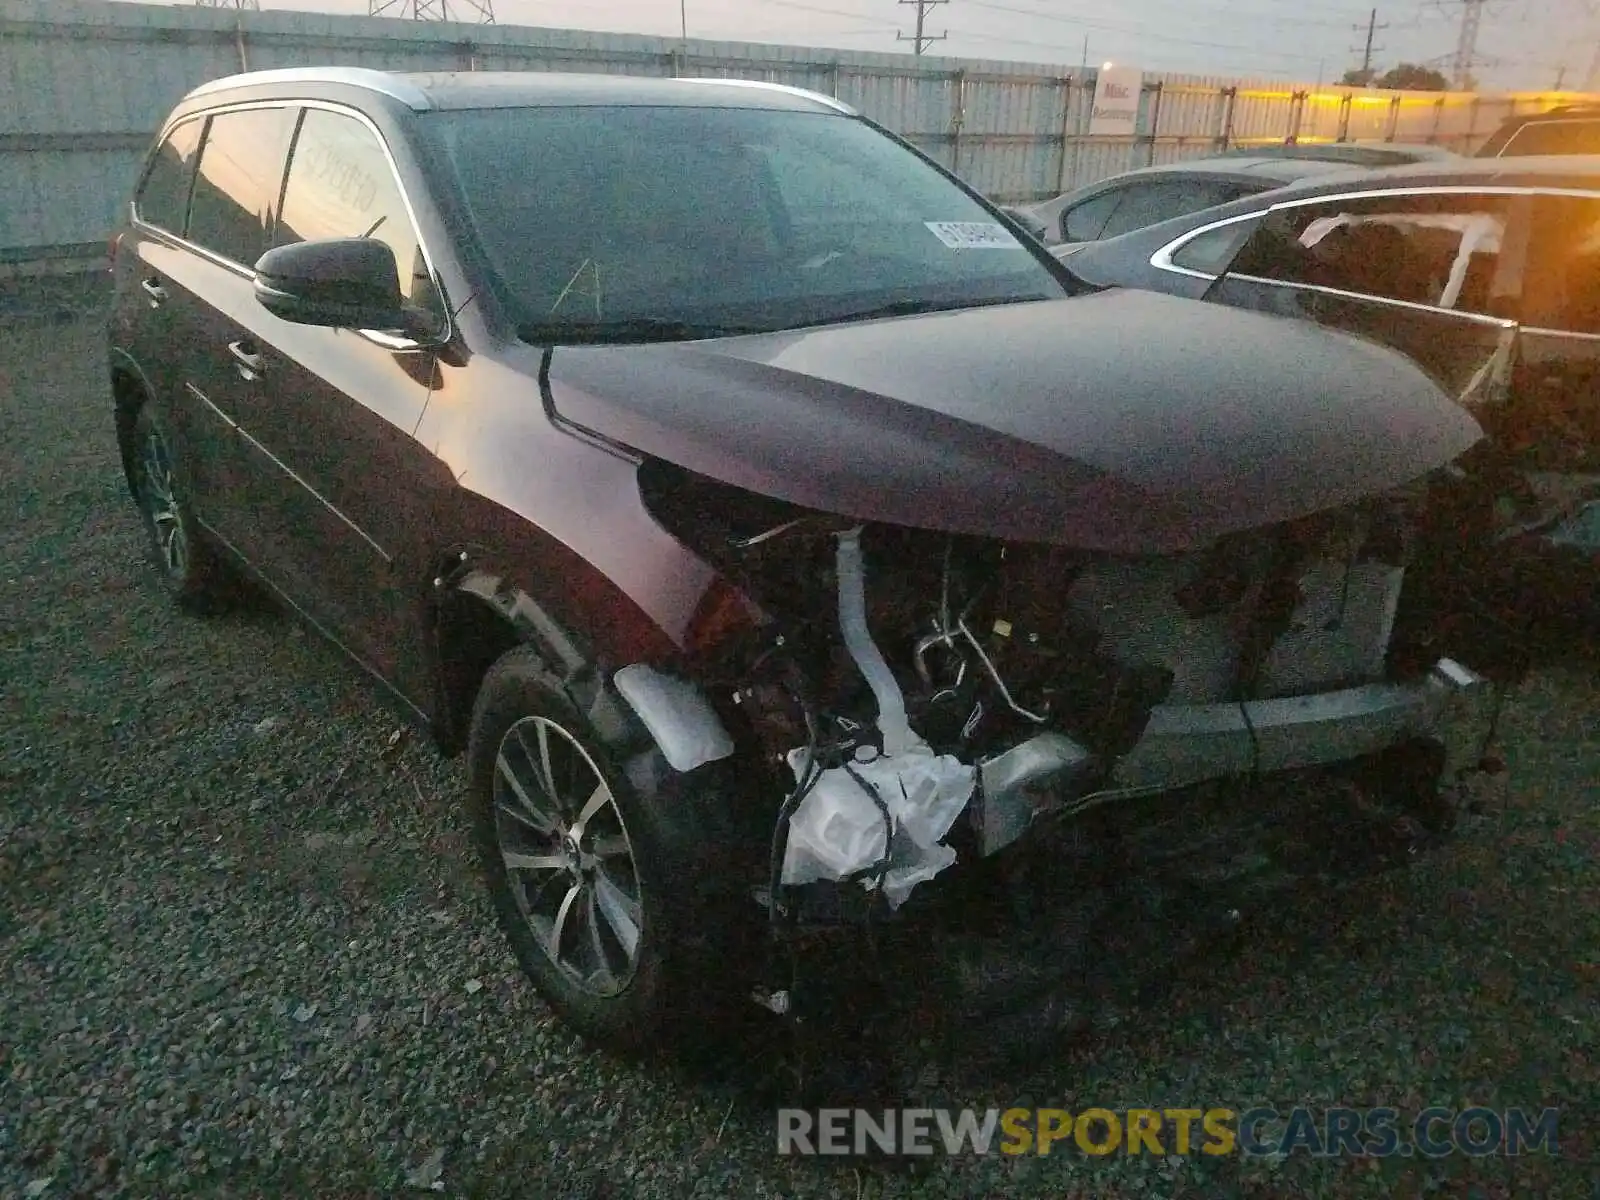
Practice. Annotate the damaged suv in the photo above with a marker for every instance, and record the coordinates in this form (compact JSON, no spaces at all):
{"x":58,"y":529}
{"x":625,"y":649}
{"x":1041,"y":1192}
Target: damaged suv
{"x":756,"y":509}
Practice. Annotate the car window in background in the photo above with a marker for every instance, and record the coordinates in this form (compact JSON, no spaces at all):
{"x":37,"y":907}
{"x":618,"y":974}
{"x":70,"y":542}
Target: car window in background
{"x":163,"y":198}
{"x":1441,"y":250}
{"x":341,"y":185}
{"x":756,"y":217}
{"x":1212,"y":251}
{"x":240,"y":175}
{"x":1151,"y":203}
{"x":1554,"y":137}
{"x":1563,"y":266}
{"x":1083,"y":222}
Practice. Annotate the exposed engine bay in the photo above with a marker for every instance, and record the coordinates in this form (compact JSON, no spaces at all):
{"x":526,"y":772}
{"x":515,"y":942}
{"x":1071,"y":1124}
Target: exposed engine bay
{"x":930,"y":695}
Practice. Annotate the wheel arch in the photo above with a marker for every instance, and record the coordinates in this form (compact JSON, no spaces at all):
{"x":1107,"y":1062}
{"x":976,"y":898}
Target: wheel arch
{"x":481,"y":614}
{"x":130,"y":391}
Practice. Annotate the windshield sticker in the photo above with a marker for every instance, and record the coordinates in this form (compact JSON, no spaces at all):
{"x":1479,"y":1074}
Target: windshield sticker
{"x":973,"y":235}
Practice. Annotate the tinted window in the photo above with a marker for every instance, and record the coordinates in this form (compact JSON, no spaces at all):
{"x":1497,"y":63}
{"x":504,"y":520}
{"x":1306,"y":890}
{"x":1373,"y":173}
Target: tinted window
{"x":1555,"y":137}
{"x":1152,"y":203}
{"x":1212,"y":251}
{"x":341,"y":186}
{"x":1083,"y":222}
{"x":762,"y":218}
{"x":1439,"y":249}
{"x":241,"y":172}
{"x":1563,"y":266}
{"x":164,"y":196}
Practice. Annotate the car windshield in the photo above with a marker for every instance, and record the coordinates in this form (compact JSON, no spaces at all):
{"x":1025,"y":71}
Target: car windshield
{"x":632,"y":223}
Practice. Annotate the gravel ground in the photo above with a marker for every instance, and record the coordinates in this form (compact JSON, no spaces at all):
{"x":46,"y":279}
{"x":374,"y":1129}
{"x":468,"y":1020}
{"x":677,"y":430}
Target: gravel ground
{"x":245,"y":951}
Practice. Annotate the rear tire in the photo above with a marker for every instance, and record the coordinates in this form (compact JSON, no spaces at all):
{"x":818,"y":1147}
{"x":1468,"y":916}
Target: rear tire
{"x":189,"y":568}
{"x":597,"y":903}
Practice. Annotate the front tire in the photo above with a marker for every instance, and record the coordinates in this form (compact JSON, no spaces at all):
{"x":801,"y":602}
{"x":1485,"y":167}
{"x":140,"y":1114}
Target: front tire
{"x":188,"y":567}
{"x":579,"y":866}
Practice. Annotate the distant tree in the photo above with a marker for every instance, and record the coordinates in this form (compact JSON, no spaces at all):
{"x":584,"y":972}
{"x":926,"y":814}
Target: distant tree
{"x":1356,"y":77}
{"x":1411,"y":77}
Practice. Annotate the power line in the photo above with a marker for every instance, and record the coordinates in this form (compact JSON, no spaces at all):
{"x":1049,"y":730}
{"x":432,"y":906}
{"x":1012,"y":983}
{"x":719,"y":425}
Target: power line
{"x":921,"y":40}
{"x":1138,"y":30}
{"x":434,"y":10}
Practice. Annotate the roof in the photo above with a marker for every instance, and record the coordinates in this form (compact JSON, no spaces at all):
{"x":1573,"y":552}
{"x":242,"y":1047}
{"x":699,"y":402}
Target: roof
{"x":1577,"y":170}
{"x":425,"y":92}
{"x":1283,"y":170}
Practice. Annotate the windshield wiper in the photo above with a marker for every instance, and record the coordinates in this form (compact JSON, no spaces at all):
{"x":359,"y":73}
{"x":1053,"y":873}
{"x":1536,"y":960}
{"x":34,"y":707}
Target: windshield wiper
{"x":625,"y":329}
{"x":911,"y":308}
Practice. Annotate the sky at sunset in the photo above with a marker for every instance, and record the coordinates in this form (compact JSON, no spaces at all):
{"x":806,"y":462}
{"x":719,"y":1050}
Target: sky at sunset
{"x":1524,"y":44}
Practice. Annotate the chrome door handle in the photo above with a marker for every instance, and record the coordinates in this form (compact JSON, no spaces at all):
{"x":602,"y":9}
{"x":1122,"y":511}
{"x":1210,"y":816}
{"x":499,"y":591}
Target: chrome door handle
{"x":153,"y":289}
{"x":251,"y":365}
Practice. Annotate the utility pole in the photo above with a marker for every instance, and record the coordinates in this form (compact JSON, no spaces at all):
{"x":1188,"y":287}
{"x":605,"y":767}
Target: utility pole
{"x":1466,"y":45}
{"x":434,"y":10}
{"x":1369,"y":49}
{"x":922,"y":40}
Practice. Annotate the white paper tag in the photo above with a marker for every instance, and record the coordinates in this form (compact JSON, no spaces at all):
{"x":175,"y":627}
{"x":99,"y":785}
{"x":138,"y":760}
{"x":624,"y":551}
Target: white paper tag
{"x":973,"y":235}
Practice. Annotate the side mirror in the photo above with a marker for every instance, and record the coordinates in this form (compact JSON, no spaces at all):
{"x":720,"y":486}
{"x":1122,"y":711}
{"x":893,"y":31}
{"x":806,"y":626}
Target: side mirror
{"x":345,"y":283}
{"x":1035,"y":227}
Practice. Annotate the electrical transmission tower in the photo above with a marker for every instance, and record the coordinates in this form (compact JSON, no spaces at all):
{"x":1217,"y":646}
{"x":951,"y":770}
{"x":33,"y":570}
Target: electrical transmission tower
{"x":1466,"y":55}
{"x":434,"y":10}
{"x":246,"y":5}
{"x":922,"y":39}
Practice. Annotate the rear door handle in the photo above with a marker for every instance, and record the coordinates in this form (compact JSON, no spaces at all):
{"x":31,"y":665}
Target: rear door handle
{"x":153,"y":289}
{"x":251,"y":365}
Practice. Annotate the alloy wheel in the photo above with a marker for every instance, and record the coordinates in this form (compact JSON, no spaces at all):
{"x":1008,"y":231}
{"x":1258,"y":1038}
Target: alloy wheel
{"x":567,"y":856}
{"x":160,"y":502}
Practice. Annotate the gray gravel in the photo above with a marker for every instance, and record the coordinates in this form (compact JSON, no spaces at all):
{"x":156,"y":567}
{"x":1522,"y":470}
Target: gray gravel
{"x":244,"y":951}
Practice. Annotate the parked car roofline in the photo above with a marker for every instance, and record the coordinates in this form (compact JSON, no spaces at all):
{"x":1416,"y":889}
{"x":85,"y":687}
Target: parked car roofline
{"x":1161,"y":259}
{"x":430,"y":91}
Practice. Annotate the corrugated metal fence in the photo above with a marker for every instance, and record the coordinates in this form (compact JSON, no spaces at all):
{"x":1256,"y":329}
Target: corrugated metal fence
{"x":84,"y":83}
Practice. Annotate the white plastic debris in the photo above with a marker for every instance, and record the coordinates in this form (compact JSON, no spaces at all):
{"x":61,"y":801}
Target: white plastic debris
{"x":838,"y":830}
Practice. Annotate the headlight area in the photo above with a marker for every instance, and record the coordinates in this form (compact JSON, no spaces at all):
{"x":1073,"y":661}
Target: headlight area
{"x":917,"y":698}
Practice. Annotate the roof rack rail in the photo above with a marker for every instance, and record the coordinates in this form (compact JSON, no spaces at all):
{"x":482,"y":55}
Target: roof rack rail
{"x":360,"y":77}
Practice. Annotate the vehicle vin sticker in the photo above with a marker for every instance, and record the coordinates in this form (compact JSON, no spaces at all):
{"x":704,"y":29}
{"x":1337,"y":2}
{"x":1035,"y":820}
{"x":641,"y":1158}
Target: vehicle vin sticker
{"x":973,"y":235}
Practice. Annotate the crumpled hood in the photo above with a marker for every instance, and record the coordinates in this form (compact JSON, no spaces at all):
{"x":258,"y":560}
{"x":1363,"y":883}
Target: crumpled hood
{"x":1122,"y":421}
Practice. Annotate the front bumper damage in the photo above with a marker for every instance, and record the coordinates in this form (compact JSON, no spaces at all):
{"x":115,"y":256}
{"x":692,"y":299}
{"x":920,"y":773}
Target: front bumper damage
{"x":1185,"y":744}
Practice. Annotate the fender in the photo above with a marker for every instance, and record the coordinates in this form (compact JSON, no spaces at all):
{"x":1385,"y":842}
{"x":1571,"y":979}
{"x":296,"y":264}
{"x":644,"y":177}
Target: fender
{"x":639,"y":702}
{"x":660,"y":729}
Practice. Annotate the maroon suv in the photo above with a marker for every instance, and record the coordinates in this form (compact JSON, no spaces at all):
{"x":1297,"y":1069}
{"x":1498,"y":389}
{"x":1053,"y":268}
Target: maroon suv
{"x":765,"y":517}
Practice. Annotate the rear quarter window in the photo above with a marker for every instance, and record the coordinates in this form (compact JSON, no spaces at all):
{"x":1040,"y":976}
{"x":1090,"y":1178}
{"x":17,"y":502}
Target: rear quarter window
{"x":162,"y":199}
{"x":1553,"y":137}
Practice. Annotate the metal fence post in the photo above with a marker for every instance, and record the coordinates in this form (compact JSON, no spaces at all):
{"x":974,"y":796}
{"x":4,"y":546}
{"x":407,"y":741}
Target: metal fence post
{"x":1066,"y":133}
{"x":958,"y":117}
{"x":1297,"y":108}
{"x":1155,"y":124}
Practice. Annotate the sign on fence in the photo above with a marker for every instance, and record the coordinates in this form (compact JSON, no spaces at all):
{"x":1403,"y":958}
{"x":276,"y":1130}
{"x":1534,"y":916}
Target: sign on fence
{"x":1116,"y":100}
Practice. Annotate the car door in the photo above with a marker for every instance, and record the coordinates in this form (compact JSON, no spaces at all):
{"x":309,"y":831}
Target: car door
{"x":1419,"y":271}
{"x":161,"y":314}
{"x":1553,"y":418}
{"x":330,"y":422}
{"x":232,"y":203}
